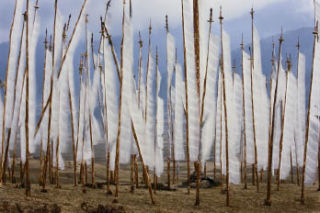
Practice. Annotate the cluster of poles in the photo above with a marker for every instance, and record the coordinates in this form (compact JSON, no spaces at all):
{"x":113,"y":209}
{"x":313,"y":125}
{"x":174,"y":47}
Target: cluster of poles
{"x":197,"y":113}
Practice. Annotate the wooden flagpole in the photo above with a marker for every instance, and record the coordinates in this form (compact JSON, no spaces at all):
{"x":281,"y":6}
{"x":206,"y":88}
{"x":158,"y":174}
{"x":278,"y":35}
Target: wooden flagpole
{"x":13,"y":180}
{"x":157,"y":87}
{"x":225,"y":110}
{"x":48,"y":154}
{"x":210,"y":21}
{"x":315,"y":33}
{"x":28,"y":186}
{"x":42,"y":100}
{"x":298,"y":74}
{"x":187,"y":105}
{"x":106,"y":121}
{"x":170,"y":152}
{"x":93,"y":180}
{"x":244,"y":169}
{"x":145,"y":170}
{"x":282,"y":127}
{"x":255,"y":166}
{"x":197,"y":62}
{"x":270,"y":144}
{"x":4,"y":156}
{"x":140,"y":42}
{"x":58,"y":185}
{"x":116,"y":171}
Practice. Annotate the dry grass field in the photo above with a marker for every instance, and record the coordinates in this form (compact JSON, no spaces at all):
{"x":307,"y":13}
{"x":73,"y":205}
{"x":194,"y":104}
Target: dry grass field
{"x":72,"y":199}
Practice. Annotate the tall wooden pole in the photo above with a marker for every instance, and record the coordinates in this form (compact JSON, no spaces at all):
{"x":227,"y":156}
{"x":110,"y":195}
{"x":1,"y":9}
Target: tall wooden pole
{"x":244,"y":169}
{"x":145,"y":170}
{"x":116,"y":171}
{"x":210,"y":21}
{"x":155,"y":184}
{"x":42,"y":101}
{"x":170,"y":148}
{"x":225,"y":110}
{"x":196,"y":34}
{"x":315,"y":33}
{"x":270,"y":144}
{"x":282,"y":127}
{"x":93,"y":180}
{"x":296,"y":148}
{"x":15,"y":91}
{"x":28,"y":185}
{"x":187,"y":104}
{"x":103,"y":37}
{"x":4,"y":153}
{"x":255,"y":167}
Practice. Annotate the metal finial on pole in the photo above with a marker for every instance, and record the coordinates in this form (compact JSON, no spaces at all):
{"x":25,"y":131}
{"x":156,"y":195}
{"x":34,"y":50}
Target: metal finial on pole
{"x":140,"y":41}
{"x":242,"y":45}
{"x":167,"y":24}
{"x":252,"y":13}
{"x":86,"y":20}
{"x":220,"y":16}
{"x":64,"y":34}
{"x":46,"y":40}
{"x":281,"y":39}
{"x":157,"y":56}
{"x":108,"y":5}
{"x":288,"y":62}
{"x":150,"y":28}
{"x":68,"y":21}
{"x":211,"y":16}
{"x":81,"y":65}
{"x":130,"y":8}
{"x":50,"y":43}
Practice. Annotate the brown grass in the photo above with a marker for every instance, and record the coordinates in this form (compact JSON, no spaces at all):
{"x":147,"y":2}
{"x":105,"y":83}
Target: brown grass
{"x":70,"y":198}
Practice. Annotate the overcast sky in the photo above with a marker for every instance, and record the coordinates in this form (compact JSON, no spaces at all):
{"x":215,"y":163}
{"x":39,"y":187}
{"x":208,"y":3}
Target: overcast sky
{"x":144,"y":10}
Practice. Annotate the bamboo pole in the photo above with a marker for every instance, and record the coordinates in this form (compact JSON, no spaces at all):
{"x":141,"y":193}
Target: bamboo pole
{"x":315,"y":33}
{"x":116,"y":172}
{"x":244,"y":119}
{"x":267,"y":201}
{"x":187,"y":105}
{"x":255,"y":166}
{"x":225,"y":111}
{"x":282,"y":128}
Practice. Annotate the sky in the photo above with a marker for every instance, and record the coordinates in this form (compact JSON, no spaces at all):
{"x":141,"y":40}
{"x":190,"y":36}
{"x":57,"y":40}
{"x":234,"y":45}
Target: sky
{"x":155,"y":10}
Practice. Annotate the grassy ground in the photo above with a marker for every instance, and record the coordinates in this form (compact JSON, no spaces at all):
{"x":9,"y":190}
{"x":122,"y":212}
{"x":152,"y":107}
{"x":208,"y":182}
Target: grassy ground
{"x":72,"y":199}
